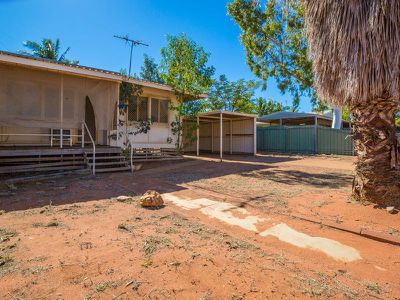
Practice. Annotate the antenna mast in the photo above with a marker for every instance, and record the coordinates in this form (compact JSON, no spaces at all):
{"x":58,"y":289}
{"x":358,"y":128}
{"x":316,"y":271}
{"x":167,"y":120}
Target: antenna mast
{"x":133,"y":43}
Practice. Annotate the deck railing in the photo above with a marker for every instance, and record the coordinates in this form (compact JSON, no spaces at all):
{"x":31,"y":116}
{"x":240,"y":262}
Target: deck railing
{"x":52,"y":136}
{"x":61,"y":136}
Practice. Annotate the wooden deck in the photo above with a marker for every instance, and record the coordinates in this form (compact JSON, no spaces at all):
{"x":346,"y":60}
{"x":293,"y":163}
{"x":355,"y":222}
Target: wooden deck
{"x":15,"y":151}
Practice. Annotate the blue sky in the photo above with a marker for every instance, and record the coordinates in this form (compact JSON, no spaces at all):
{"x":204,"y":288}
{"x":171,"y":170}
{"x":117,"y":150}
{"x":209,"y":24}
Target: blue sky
{"x":88,"y":28}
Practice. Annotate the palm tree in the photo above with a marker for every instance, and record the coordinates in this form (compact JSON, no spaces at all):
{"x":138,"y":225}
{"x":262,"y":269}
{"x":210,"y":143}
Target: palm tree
{"x":47,"y":49}
{"x":355,"y":50}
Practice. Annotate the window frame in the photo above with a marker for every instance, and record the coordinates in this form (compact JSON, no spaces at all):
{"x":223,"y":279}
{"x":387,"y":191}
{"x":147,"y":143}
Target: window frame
{"x":138,"y":110}
{"x":159,"y":99}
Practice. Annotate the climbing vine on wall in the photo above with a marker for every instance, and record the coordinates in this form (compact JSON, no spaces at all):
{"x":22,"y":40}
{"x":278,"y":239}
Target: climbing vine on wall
{"x":127,"y":91}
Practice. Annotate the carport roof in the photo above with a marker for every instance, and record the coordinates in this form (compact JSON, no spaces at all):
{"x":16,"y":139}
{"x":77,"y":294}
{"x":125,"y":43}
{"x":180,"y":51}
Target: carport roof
{"x":227,"y":115}
{"x":291,"y":115}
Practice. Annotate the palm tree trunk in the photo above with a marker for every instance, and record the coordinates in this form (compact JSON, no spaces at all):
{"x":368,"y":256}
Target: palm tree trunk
{"x":377,"y":174}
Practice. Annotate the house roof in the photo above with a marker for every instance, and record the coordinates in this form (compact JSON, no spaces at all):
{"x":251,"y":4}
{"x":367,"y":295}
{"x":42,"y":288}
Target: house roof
{"x":291,"y":115}
{"x":79,"y":70}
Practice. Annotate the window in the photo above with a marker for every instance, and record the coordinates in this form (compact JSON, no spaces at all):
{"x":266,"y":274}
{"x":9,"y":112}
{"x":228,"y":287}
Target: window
{"x":137,"y":109}
{"x":159,"y":110}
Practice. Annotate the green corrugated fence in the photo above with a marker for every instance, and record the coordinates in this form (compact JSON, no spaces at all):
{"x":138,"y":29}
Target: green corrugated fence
{"x":304,"y":139}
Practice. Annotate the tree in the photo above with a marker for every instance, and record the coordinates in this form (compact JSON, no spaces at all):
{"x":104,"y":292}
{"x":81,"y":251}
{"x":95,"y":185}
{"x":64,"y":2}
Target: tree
{"x":269,"y":106}
{"x":275,"y":44}
{"x":184,"y":66}
{"x":232,"y":95}
{"x":355,"y":49}
{"x":48,"y":49}
{"x":149,"y":70}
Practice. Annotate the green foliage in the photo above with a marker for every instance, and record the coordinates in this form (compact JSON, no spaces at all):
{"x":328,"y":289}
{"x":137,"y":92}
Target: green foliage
{"x":184,"y":66}
{"x":149,"y":70}
{"x":232,"y":95}
{"x":275,"y":44}
{"x":346,"y":115}
{"x":266,"y":107}
{"x":398,"y":120}
{"x":320,"y":107}
{"x":48,"y":49}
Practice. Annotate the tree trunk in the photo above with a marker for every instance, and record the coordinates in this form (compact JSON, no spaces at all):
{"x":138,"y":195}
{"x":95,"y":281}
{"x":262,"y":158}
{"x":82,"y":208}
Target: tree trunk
{"x":377,"y":174}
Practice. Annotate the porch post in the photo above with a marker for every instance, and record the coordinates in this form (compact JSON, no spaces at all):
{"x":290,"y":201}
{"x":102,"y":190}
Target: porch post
{"x":230,"y":131}
{"x":61,"y":111}
{"x":83,"y":135}
{"x":220,"y":136}
{"x":117,"y":125}
{"x":198,"y":137}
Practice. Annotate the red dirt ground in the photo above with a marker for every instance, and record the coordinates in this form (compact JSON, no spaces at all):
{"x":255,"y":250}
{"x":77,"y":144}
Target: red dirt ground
{"x":68,"y":239}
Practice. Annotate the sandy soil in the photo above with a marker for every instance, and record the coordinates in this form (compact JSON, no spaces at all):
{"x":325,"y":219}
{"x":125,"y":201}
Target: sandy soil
{"x":70,"y":239}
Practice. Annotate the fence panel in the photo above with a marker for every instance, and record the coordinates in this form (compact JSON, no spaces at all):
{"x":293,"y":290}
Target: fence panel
{"x":301,"y":139}
{"x":271,"y":139}
{"x":334,"y":141}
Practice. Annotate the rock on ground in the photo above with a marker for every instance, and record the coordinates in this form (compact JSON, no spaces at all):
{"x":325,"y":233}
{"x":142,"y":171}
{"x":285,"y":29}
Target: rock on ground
{"x":151,"y":199}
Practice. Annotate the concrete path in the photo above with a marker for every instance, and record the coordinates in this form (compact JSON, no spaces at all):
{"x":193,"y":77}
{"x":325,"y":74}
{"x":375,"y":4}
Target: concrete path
{"x":239,"y":217}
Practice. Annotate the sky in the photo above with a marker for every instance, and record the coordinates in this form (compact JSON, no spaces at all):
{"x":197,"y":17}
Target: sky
{"x":88,"y":28}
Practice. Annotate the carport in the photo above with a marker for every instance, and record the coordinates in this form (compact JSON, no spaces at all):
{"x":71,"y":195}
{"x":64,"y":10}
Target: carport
{"x":225,"y":132}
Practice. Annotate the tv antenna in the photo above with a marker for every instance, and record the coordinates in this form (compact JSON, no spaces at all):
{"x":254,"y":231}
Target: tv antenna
{"x":133,"y":43}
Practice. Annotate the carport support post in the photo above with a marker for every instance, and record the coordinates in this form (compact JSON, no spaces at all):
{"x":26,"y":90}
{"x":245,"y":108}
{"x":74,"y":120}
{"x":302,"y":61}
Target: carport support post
{"x":212,"y":136}
{"x":255,"y":137}
{"x":198,"y":137}
{"x":220,"y":136}
{"x":230,"y":132}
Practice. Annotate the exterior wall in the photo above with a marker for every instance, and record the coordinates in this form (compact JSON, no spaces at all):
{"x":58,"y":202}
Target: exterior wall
{"x":159,"y":132}
{"x":242,"y":137}
{"x":30,"y":103}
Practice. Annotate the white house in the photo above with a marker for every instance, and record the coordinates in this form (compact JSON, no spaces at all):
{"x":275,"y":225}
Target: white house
{"x":44,"y":105}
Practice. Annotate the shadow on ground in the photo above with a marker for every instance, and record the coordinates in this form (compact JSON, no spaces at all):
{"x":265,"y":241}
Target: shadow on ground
{"x":293,"y":177}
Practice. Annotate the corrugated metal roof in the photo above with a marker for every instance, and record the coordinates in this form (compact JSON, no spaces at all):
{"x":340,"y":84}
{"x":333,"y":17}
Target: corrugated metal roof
{"x":101,"y":73}
{"x":291,"y":115}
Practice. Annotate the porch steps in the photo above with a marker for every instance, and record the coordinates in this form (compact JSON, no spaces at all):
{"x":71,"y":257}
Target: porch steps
{"x":112,"y":160}
{"x":32,"y":161}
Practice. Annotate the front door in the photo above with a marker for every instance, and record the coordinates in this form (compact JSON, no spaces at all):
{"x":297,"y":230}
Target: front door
{"x":90,"y":119}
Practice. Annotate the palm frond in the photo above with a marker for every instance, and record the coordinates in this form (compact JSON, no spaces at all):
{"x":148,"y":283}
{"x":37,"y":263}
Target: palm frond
{"x":355,"y":49}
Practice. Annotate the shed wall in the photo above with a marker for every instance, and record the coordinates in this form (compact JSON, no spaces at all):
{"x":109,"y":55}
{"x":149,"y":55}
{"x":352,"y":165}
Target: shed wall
{"x":242,"y":137}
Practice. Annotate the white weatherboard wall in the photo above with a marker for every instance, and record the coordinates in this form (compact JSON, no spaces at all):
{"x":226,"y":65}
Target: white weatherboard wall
{"x":242,"y":137}
{"x":159,"y":132}
{"x":30,"y":104}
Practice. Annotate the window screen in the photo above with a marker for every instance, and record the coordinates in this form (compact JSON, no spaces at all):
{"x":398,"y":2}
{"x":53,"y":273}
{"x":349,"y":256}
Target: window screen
{"x":154,"y":110}
{"x":69,"y":104}
{"x":143,"y":116}
{"x":159,"y":110}
{"x":164,"y":111}
{"x":52,"y":102}
{"x":132,"y":109}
